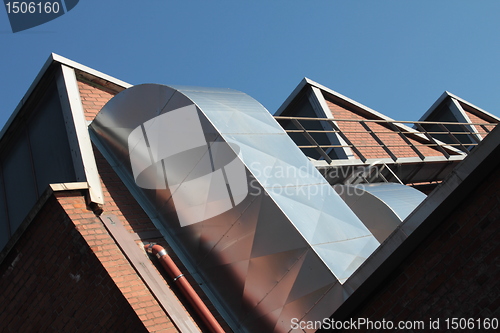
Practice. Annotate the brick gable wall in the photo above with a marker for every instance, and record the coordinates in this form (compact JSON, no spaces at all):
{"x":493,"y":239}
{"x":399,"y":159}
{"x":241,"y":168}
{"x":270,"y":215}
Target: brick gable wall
{"x":116,"y":264}
{"x":52,"y":280}
{"x":360,"y":137}
{"x":93,"y":99}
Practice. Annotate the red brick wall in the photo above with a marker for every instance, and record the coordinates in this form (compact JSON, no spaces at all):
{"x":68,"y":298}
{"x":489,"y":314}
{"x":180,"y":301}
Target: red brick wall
{"x":93,"y":99}
{"x":366,"y":144}
{"x":476,"y":120}
{"x":117,"y":266}
{"x":455,"y":272}
{"x":53,"y":281}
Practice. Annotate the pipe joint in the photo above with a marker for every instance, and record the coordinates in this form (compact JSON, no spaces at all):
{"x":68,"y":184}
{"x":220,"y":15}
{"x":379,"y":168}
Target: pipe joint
{"x":178,"y":277}
{"x":155,"y":249}
{"x":149,"y":247}
{"x":161,"y":253}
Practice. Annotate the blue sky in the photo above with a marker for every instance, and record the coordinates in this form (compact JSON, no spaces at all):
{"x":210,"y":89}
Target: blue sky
{"x":396,"y":57}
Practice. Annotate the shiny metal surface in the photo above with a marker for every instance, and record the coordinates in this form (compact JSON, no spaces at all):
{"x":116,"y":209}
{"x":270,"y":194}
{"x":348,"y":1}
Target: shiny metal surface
{"x":272,"y":242}
{"x":161,"y":253}
{"x":381,"y":206}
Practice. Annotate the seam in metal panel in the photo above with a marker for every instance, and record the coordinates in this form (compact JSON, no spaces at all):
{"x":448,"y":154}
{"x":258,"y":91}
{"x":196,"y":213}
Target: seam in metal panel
{"x":73,"y":112}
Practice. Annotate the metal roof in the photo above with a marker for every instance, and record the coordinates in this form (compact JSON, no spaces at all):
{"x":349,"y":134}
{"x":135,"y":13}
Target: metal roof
{"x":283,"y":237}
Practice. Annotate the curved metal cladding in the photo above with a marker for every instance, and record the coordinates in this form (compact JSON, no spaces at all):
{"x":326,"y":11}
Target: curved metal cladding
{"x":246,"y":210}
{"x":393,"y":203}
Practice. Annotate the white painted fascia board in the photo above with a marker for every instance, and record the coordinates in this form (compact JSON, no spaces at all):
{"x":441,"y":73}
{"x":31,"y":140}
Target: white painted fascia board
{"x":374,"y":113}
{"x":486,"y":113}
{"x":83,"y":68}
{"x":56,"y":58}
{"x":78,"y":135}
{"x":461,"y":100}
{"x":461,"y":115}
{"x":457,"y":111}
{"x":57,"y":187}
{"x":316,"y":92}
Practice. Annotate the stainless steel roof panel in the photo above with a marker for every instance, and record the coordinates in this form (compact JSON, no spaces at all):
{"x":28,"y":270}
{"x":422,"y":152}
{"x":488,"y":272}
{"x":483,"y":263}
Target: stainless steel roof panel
{"x":241,"y":204}
{"x":392,"y":203}
{"x":401,"y":199}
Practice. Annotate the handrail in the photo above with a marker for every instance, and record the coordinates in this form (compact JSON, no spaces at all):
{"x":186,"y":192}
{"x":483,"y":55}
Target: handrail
{"x":447,"y":142}
{"x":384,"y":121}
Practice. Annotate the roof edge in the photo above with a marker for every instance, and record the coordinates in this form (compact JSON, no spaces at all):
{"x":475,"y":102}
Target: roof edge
{"x":350,"y":101}
{"x":446,"y":94}
{"x":52,"y":59}
{"x":292,"y":96}
{"x":78,"y":66}
{"x":473,"y":106}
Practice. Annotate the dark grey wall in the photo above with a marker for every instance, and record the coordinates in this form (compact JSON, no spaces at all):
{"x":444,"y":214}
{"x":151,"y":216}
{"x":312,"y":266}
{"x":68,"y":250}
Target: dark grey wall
{"x":33,"y":157}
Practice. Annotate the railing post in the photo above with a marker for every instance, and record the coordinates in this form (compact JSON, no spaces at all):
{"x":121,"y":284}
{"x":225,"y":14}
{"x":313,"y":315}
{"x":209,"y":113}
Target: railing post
{"x":431,"y":139}
{"x":312,"y":141}
{"x":377,"y":139}
{"x":344,"y":137}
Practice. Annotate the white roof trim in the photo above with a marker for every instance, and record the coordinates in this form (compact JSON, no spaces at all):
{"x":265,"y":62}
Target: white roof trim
{"x":350,"y":101}
{"x":448,"y":94}
{"x":57,"y":58}
{"x":75,"y":65}
{"x":291,"y":97}
{"x":473,"y":106}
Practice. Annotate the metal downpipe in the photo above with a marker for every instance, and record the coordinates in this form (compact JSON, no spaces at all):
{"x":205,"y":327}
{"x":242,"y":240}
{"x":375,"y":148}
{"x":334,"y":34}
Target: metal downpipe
{"x":186,"y":288}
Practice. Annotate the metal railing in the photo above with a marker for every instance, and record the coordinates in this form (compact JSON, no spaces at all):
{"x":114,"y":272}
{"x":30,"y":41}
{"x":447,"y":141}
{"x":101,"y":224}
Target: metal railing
{"x":323,"y":137}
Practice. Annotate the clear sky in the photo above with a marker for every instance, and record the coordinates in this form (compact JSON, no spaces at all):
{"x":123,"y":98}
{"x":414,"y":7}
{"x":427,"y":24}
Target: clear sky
{"x":396,"y":57}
